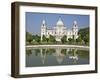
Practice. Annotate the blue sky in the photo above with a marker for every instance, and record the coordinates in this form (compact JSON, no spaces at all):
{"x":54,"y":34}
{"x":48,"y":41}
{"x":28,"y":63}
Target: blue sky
{"x":34,"y":20}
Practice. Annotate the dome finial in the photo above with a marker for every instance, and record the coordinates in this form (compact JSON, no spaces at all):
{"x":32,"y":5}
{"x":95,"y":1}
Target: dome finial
{"x":60,"y":22}
{"x":60,"y":18}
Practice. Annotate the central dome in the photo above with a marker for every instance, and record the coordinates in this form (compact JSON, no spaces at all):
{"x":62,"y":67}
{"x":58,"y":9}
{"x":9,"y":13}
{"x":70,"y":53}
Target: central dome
{"x":60,"y":22}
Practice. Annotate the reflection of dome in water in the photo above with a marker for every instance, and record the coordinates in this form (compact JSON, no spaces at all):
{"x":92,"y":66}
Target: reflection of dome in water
{"x":59,"y":56}
{"x":60,"y":59}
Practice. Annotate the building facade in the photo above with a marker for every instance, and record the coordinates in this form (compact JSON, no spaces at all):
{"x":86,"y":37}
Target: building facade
{"x":59,"y":30}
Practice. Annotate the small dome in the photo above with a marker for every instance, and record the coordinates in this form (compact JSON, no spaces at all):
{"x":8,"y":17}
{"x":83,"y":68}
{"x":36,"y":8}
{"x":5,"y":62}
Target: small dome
{"x":60,"y":22}
{"x":75,"y":22}
{"x":43,"y":22}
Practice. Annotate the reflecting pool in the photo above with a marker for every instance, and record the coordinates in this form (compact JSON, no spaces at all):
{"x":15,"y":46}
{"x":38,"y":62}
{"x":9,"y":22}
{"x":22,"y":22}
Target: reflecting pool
{"x":45,"y":56}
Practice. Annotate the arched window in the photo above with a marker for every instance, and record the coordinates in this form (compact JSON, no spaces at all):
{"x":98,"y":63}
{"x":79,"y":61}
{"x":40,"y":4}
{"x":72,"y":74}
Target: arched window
{"x":43,"y":25}
{"x":75,"y":33}
{"x":75,"y":25}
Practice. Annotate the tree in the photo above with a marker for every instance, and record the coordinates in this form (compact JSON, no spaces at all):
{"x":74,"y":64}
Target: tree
{"x":84,"y":34}
{"x":44,"y":38}
{"x":29,"y":37}
{"x":51,"y":38}
{"x":47,"y":39}
{"x":86,"y":39}
{"x":37,"y":38}
{"x":64,"y":39}
{"x":79,"y":39}
{"x":70,"y":39}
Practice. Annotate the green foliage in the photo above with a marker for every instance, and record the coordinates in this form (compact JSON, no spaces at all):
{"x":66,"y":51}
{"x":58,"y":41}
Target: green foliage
{"x":29,"y":37}
{"x":44,"y":38}
{"x":70,"y":39}
{"x":86,"y":39}
{"x":84,"y":34}
{"x":52,"y":38}
{"x":64,"y":39}
{"x":47,"y":39}
{"x":37,"y":38}
{"x":79,"y":39}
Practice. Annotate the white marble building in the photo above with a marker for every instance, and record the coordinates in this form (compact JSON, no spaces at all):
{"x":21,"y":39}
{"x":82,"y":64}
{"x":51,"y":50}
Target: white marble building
{"x":59,"y":30}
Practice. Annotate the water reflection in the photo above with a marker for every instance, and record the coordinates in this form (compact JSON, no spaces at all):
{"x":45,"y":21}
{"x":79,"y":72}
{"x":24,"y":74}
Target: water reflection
{"x":56,"y":56}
